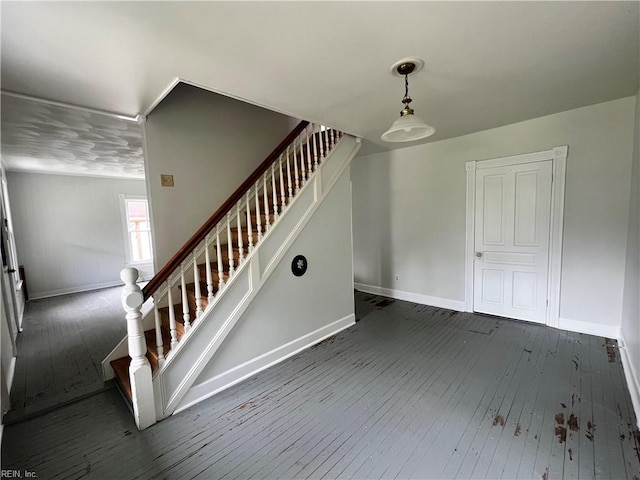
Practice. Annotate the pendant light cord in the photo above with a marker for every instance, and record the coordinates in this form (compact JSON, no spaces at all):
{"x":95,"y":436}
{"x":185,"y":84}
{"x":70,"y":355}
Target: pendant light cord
{"x":407,"y":99}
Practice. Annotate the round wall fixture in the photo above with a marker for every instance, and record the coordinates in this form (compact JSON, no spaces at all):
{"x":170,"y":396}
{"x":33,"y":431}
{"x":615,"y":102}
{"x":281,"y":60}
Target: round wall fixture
{"x":299,"y":265}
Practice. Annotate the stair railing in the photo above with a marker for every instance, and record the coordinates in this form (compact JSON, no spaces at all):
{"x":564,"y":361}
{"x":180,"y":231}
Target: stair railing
{"x":222,"y":244}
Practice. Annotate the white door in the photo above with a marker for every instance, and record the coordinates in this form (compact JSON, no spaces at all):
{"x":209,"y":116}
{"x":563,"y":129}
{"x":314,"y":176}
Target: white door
{"x":512,"y":222}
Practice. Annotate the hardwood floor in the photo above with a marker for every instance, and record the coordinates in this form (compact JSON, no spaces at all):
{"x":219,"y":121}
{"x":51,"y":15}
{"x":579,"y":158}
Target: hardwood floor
{"x":410,"y":391}
{"x":61,"y":349}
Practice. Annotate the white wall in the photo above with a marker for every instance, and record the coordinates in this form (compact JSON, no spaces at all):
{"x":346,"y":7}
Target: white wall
{"x":409,"y":210}
{"x":631,"y":299}
{"x":68,"y":230}
{"x":7,"y":359}
{"x":210,"y":144}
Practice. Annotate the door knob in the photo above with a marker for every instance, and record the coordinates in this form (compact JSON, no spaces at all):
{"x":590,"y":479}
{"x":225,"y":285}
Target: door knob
{"x":478,"y":254}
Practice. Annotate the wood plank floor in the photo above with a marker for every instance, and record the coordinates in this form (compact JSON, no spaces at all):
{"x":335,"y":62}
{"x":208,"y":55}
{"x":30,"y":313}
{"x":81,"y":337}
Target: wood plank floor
{"x":61,"y":349}
{"x":410,"y":391}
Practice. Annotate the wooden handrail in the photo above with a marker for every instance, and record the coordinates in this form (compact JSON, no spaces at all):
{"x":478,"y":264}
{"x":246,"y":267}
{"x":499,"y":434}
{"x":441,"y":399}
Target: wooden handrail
{"x":188,"y":248}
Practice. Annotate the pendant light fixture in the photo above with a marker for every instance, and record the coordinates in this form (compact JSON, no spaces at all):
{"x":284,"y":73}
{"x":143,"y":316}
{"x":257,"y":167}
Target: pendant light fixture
{"x":408,"y":127}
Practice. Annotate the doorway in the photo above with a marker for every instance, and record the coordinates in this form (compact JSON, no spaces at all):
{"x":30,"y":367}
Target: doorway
{"x":514,"y":235}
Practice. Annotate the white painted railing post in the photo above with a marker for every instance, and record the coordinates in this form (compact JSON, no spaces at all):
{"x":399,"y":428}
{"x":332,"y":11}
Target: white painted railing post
{"x":315,"y":148}
{"x":144,"y":409}
{"x":308,"y":152}
{"x":274,"y":191}
{"x":265,"y":196}
{"x":186,"y":316}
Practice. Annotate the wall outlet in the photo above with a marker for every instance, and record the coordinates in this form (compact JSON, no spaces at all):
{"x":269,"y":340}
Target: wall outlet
{"x":397,"y":277}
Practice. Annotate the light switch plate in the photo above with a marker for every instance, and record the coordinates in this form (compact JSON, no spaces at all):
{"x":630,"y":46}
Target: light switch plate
{"x":166,"y":180}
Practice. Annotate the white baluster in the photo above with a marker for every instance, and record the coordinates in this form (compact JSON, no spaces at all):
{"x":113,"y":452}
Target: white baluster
{"x":295,"y":171}
{"x":326,"y":142}
{"x":196,"y":285}
{"x":289,"y":185}
{"x":207,"y":261}
{"x":258,"y":219}
{"x":265,"y":197}
{"x":172,"y":317}
{"x":305,"y":175}
{"x":185,"y":301}
{"x":144,"y":410}
{"x":308,"y":150}
{"x":274,"y":194}
{"x":240,"y":241}
{"x":219,"y":259}
{"x":249,"y":229}
{"x":320,"y":144}
{"x":159,"y":343}
{"x":283,"y":195}
{"x":315,"y":147}
{"x":333,"y":138}
{"x":230,"y":246}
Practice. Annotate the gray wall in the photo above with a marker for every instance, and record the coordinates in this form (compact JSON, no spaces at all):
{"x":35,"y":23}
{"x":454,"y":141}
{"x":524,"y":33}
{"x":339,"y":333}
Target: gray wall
{"x":631,"y":299}
{"x":68,"y":230}
{"x":289,"y":312}
{"x":409,"y":210}
{"x":210,"y":144}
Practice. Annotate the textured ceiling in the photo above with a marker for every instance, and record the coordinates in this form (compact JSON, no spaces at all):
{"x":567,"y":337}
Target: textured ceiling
{"x":40,"y":137}
{"x":487,"y":64}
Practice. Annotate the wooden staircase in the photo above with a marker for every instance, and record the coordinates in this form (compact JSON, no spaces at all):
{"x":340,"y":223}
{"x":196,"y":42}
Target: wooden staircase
{"x":280,"y":193}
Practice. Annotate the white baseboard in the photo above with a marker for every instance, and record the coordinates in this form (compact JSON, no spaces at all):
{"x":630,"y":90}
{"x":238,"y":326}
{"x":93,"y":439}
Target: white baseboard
{"x":11,"y":373}
{"x":221,"y":382}
{"x":412,"y":297}
{"x":631,"y":376}
{"x":589,"y":328}
{"x":78,"y":289}
{"x":5,"y":408}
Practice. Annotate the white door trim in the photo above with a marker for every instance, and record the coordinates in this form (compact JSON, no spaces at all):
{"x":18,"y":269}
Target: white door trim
{"x":559,"y":157}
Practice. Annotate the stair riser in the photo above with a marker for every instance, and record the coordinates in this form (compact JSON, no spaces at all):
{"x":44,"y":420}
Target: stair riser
{"x":164,"y":318}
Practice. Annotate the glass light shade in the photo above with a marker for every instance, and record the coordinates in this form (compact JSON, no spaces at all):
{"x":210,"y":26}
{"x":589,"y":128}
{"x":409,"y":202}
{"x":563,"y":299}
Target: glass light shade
{"x":408,"y":128}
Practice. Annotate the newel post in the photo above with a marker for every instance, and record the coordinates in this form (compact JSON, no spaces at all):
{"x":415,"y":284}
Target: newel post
{"x":144,"y":410}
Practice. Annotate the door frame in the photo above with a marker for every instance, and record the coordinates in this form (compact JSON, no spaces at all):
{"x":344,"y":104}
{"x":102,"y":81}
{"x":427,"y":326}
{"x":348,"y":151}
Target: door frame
{"x":14,"y":284}
{"x":559,"y":157}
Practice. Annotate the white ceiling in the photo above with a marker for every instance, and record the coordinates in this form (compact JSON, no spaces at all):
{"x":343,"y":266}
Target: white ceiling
{"x":487,"y":63}
{"x":40,"y":137}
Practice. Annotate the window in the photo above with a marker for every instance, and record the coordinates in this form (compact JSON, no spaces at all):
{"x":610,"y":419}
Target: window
{"x":137,"y":228}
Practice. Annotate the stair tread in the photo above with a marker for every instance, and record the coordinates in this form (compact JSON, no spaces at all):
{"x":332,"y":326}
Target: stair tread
{"x":121,"y":370}
{"x":152,"y":351}
{"x":215,"y":277}
{"x":121,"y":365}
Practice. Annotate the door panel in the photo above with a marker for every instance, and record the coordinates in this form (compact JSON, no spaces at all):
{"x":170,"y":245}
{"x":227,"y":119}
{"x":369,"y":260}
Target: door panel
{"x":513,"y":205}
{"x":525,"y":208}
{"x":493,"y":210}
{"x":525,"y":290}
{"x":493,"y":286}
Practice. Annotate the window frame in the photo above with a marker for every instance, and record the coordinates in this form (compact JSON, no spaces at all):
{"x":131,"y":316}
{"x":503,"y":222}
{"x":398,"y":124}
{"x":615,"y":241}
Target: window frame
{"x":126,"y":234}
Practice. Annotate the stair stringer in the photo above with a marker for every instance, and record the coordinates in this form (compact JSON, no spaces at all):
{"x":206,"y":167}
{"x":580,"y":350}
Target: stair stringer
{"x":196,"y":348}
